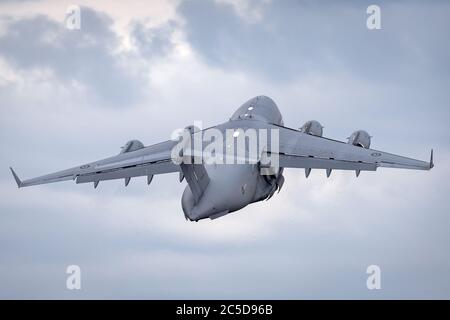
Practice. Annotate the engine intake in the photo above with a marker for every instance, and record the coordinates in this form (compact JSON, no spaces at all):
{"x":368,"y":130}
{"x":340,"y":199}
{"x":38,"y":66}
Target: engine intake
{"x":360,"y":138}
{"x":312,"y":127}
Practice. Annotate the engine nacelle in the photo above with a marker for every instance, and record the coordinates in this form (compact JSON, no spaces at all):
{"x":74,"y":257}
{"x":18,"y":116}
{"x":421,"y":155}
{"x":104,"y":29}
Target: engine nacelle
{"x":360,"y":138}
{"x":312,"y":127}
{"x":132,"y":145}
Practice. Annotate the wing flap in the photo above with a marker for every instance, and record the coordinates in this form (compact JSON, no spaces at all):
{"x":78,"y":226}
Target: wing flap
{"x":142,"y":170}
{"x":293,"y":161}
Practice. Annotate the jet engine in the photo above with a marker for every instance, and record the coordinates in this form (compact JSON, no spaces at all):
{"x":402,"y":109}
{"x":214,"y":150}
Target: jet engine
{"x":312,"y":127}
{"x":360,"y":138}
{"x":131,"y":145}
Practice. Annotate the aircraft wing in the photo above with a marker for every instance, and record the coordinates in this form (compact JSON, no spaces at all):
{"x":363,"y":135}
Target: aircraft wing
{"x":301,"y":150}
{"x":146,"y":161}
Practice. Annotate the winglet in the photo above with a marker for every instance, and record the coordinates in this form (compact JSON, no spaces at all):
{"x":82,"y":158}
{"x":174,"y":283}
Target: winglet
{"x":431,"y":160}
{"x":16,"y":177}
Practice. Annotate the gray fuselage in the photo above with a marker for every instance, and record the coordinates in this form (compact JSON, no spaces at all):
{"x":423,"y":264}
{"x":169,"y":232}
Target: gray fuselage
{"x":234,"y":186}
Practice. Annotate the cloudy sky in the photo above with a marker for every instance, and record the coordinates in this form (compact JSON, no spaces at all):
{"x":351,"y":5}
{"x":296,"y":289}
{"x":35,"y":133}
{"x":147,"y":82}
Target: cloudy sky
{"x":140,"y":69}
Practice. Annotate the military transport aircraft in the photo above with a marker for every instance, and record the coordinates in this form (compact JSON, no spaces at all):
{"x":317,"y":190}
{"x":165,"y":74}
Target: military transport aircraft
{"x":214,"y":190}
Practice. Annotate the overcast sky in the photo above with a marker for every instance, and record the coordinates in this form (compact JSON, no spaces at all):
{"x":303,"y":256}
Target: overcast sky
{"x":140,"y":69}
